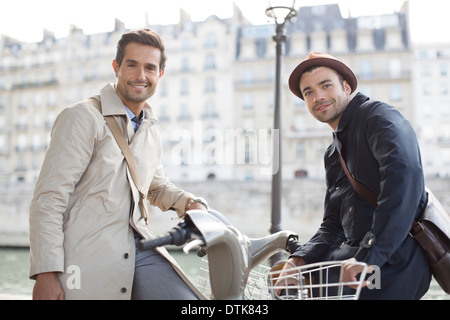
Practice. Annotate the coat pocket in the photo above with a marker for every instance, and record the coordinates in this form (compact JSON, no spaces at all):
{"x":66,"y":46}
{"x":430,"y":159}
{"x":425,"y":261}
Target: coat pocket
{"x":77,"y":233}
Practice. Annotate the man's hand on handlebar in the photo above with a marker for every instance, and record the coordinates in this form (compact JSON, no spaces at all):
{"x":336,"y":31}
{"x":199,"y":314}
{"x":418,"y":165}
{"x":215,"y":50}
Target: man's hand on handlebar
{"x":197,"y":206}
{"x":351,"y":270}
{"x":288,"y":275}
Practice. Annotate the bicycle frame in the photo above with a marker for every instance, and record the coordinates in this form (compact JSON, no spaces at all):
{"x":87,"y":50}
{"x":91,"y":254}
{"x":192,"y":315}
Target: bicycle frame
{"x":231,"y":254}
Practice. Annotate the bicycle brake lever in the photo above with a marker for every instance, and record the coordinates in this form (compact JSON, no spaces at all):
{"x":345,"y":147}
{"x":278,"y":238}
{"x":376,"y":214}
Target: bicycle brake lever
{"x":193,"y":244}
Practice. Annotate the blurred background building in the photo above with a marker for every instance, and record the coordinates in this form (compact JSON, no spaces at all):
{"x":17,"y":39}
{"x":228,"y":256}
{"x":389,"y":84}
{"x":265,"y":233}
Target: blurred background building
{"x":215,"y":101}
{"x":215,"y":104}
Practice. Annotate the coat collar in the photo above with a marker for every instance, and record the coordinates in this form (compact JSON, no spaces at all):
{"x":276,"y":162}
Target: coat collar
{"x":350,"y":111}
{"x":345,"y":120}
{"x":113,"y":105}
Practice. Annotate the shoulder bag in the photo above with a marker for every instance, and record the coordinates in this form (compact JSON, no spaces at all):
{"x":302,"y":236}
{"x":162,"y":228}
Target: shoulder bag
{"x":123,"y":144}
{"x":431,"y":230}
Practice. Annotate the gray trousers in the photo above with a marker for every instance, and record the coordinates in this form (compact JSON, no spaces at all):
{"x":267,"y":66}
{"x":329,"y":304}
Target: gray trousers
{"x":156,"y":279}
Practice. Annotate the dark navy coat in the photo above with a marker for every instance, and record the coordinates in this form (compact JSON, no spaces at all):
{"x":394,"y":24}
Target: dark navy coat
{"x":381,"y":151}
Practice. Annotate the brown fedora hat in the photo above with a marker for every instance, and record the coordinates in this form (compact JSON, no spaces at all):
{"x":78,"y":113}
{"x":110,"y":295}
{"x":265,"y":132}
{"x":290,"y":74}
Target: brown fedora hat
{"x":323,"y":60}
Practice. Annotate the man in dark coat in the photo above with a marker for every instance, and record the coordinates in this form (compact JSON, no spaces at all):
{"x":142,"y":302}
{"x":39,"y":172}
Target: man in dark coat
{"x":381,"y":151}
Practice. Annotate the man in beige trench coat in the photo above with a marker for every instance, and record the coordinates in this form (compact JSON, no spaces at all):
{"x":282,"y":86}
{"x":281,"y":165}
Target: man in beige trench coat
{"x":85,"y":220}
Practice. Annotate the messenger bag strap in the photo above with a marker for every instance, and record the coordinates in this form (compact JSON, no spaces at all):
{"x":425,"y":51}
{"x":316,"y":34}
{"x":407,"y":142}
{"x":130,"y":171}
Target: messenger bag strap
{"x":124,"y":146}
{"x":417,"y":230}
{"x":361,"y":189}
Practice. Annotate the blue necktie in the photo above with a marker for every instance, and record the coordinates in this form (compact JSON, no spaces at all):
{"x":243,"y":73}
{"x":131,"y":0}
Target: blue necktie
{"x":136,"y":121}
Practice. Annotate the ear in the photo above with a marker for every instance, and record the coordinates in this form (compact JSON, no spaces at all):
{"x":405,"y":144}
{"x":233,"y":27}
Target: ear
{"x":161,"y":73}
{"x":115,"y":66}
{"x":347,"y":88}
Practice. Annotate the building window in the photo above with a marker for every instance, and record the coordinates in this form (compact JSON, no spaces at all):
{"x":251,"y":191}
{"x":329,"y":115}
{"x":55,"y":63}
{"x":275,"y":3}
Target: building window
{"x":300,"y":151}
{"x":36,"y":143}
{"x":21,"y":143}
{"x":37,"y":100}
{"x":425,"y":71}
{"x":366,"y":69}
{"x":185,"y":44}
{"x":37,"y":120}
{"x":426,"y":90}
{"x":163,"y":115}
{"x":261,"y":48}
{"x":247,"y":101}
{"x":185,"y":65}
{"x":21,"y":164}
{"x":184,"y":87}
{"x":210,"y":110}
{"x":318,"y":10}
{"x":51,"y":98}
{"x":23,"y":101}
{"x":50,"y":120}
{"x":211,"y":40}
{"x":210,"y":85}
{"x":445,"y":133}
{"x":395,"y":68}
{"x":210,"y":62}
{"x":443,"y":70}
{"x":395,"y":92}
{"x":246,"y":76}
{"x":444,"y":89}
{"x":184,"y":113}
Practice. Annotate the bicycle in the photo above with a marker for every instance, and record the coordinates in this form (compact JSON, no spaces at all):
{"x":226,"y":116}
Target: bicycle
{"x":235,"y":265}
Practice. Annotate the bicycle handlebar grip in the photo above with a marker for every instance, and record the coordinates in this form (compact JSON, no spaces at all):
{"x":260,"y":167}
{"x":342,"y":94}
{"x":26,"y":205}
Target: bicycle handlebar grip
{"x":292,"y":244}
{"x":177,"y":236}
{"x":154,"y":243}
{"x":201,"y":252}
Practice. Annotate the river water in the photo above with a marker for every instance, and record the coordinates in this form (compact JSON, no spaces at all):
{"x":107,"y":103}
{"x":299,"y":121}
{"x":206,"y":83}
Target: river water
{"x":15,"y":284}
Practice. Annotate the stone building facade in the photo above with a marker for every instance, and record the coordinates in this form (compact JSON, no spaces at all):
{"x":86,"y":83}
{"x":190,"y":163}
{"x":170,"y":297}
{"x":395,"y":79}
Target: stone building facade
{"x":216,"y":99}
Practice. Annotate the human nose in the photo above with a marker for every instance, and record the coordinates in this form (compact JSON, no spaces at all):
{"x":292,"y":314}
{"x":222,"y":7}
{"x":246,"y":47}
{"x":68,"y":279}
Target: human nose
{"x":319,"y":96}
{"x":140,"y":74}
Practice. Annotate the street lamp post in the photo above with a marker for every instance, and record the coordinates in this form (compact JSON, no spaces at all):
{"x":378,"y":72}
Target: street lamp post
{"x":280,"y":11}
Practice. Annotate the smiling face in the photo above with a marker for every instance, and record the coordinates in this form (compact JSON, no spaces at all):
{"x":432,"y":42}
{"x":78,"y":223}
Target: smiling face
{"x":326,"y":94}
{"x":137,"y":75}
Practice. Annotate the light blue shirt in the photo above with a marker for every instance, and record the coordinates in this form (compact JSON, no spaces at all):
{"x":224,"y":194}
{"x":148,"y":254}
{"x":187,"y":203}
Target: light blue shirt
{"x":131,"y":115}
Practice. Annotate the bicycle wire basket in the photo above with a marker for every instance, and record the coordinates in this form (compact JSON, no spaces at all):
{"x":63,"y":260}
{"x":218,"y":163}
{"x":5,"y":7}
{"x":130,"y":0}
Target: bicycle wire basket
{"x":318,"y":281}
{"x":255,"y":288}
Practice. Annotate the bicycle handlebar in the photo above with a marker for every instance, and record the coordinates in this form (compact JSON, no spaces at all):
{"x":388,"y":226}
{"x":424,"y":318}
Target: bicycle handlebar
{"x":292,"y":244}
{"x":177,"y":236}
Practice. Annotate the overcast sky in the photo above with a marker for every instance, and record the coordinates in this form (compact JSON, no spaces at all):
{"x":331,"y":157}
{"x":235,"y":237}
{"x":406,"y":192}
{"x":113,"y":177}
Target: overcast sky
{"x":25,"y":20}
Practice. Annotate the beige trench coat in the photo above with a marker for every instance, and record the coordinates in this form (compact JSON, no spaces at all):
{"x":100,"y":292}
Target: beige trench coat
{"x":83,"y":213}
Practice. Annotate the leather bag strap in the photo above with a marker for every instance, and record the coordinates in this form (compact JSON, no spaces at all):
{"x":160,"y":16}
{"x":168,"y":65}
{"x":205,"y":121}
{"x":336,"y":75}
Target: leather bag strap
{"x":124,"y":146}
{"x":416,"y":230}
{"x":361,"y":189}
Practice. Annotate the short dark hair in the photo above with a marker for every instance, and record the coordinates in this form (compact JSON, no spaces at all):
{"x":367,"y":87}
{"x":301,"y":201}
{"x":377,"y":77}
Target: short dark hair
{"x":145,"y":37}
